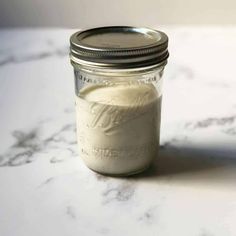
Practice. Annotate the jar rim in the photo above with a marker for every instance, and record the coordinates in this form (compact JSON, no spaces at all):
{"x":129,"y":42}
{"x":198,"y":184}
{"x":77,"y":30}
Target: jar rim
{"x":118,"y":71}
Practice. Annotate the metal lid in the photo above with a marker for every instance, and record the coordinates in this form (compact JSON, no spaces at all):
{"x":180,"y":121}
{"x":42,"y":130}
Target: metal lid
{"x":119,"y":47}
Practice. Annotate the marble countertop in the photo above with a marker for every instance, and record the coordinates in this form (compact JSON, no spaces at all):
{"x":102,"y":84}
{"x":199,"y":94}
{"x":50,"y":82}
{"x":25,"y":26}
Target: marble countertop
{"x":45,"y":189}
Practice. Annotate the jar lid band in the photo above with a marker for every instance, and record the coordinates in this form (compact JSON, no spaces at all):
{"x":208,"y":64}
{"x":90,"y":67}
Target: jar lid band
{"x":119,"y":47}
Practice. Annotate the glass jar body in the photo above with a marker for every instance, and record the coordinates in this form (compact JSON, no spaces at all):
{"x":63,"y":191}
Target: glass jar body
{"x":118,"y":117}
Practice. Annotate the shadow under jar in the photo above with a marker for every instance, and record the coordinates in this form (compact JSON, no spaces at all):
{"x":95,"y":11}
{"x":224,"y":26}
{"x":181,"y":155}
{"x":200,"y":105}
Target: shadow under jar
{"x":118,"y":89}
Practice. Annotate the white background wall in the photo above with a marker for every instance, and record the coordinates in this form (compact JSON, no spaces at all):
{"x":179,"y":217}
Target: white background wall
{"x":89,"y":13}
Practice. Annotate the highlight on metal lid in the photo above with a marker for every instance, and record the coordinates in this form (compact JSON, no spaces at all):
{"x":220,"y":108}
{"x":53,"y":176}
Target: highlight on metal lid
{"x":119,"y":47}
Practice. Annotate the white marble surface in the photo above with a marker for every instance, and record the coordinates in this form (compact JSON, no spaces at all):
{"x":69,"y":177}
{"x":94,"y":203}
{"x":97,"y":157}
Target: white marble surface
{"x":46,"y":190}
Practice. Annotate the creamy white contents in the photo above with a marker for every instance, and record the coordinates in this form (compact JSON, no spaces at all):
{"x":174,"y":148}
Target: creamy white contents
{"x":118,"y":127}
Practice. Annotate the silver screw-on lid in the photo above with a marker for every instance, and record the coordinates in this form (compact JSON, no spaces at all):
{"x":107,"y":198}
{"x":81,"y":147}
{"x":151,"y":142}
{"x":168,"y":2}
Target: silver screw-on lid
{"x":119,"y":47}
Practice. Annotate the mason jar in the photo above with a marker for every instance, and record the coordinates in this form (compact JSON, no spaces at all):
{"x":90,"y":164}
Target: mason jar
{"x":118,"y":87}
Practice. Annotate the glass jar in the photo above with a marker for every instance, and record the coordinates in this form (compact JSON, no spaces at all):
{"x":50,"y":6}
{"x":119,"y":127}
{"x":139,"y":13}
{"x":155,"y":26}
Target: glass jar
{"x":118,"y":85}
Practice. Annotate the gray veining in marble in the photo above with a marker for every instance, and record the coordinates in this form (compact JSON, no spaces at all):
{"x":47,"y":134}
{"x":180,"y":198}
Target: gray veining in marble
{"x":47,"y":190}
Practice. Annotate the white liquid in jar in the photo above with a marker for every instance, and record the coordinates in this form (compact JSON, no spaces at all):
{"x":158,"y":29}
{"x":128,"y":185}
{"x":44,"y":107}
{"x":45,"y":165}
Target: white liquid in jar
{"x":118,"y":127}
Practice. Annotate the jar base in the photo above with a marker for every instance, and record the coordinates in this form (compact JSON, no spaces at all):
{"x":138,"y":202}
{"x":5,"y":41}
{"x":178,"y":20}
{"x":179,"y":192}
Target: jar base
{"x":122,"y":174}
